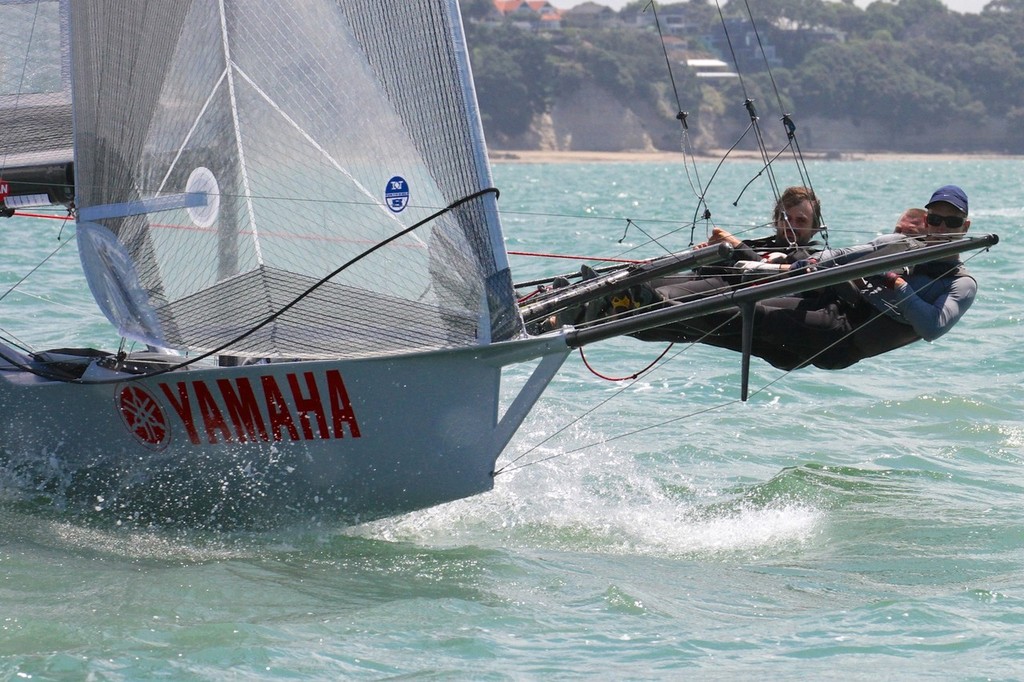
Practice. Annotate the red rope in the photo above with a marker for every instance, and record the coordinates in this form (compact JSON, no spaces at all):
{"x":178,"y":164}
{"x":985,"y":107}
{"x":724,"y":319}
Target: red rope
{"x":23,"y":214}
{"x":530,"y":295}
{"x":634,"y":376}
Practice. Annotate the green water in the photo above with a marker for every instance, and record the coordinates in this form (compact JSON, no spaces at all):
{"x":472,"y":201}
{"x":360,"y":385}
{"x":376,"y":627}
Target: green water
{"x":856,"y":525}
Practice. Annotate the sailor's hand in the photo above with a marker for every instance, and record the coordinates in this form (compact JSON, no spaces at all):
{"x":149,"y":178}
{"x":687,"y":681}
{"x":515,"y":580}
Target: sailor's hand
{"x":892,"y":280}
{"x":718,"y":235}
{"x":805,"y":265}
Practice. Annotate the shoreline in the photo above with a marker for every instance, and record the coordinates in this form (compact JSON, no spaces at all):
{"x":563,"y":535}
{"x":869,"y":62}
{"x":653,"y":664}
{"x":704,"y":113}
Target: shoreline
{"x":714,"y":155}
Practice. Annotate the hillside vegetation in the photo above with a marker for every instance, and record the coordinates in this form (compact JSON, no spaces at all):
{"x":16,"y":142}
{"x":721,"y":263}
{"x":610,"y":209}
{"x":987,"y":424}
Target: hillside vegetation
{"x":903,"y":76}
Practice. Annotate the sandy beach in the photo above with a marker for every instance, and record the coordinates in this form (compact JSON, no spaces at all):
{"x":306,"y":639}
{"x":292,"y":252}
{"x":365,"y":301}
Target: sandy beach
{"x":545,"y":156}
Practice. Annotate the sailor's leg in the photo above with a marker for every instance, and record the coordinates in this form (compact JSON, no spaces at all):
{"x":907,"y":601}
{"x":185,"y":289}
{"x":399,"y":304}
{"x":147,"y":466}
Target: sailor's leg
{"x":685,"y":288}
{"x":820,"y":335}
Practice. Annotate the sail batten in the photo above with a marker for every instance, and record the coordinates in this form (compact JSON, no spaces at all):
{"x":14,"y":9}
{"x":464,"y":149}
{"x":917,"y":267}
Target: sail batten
{"x":310,"y":134}
{"x":154,"y":205}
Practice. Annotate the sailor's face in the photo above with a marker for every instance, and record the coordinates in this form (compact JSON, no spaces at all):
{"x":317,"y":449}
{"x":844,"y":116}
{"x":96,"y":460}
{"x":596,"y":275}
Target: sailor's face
{"x":797,"y":224}
{"x":938,"y":224}
{"x":911,"y":225}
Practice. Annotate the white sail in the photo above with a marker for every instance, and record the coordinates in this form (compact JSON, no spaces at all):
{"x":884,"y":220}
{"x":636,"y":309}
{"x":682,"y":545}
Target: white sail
{"x":233,"y":154}
{"x":298,"y":181}
{"x":35,"y":83}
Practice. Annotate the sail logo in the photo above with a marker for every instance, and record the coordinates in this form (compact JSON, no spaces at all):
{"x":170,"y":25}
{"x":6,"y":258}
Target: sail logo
{"x":5,"y":189}
{"x":143,"y":417}
{"x":396,"y":194}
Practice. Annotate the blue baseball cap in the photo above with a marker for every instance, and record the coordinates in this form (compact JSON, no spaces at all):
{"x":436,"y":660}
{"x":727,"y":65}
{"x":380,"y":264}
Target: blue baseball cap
{"x":951,"y":194}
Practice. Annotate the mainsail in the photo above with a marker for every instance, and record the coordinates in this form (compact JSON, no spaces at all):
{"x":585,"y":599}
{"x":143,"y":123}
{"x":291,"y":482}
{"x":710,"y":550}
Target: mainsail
{"x":231,"y":155}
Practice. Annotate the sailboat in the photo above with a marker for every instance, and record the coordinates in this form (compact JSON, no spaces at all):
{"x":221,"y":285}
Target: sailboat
{"x":300,"y":191}
{"x":287,"y":211}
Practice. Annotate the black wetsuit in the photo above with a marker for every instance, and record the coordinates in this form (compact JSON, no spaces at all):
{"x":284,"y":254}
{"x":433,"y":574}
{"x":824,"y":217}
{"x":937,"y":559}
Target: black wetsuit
{"x":712,"y":279}
{"x":839,"y":326}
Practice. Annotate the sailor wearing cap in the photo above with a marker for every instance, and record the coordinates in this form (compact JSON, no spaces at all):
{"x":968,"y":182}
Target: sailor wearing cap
{"x":947,"y":214}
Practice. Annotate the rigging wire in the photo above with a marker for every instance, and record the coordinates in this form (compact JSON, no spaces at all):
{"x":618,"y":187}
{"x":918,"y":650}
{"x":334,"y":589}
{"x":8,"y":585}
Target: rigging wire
{"x":684,"y":137}
{"x":34,"y":269}
{"x":698,"y":188}
{"x":748,"y":103}
{"x":786,"y":120}
{"x":789,"y":126}
{"x":511,"y":466}
{"x":628,"y":261}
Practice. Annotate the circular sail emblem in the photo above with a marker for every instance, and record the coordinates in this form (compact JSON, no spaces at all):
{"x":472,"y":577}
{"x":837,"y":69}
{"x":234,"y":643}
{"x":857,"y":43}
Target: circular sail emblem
{"x":143,"y":417}
{"x":397,"y":194}
{"x":203,"y":183}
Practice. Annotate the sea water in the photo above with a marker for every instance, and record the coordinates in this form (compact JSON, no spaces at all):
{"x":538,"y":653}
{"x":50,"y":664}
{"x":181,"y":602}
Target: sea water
{"x":859,"y":524}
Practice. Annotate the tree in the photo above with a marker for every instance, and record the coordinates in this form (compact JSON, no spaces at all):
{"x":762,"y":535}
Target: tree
{"x":979,"y":72}
{"x":895,"y":65}
{"x":628,"y":64}
{"x":476,"y":9}
{"x":870,"y":81}
{"x":913,"y":11}
{"x":1004,"y":7}
{"x":513,"y":76}
{"x":800,"y":13}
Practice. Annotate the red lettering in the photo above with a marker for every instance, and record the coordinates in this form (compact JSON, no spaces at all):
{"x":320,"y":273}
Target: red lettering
{"x":213,"y":420}
{"x":341,"y":408}
{"x":277,"y":410}
{"x":305,"y":405}
{"x":182,"y":406}
{"x":246,"y":420}
{"x":243,"y":410}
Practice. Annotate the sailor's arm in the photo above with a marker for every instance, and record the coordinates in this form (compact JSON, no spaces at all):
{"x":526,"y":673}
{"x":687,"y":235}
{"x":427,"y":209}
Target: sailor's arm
{"x":932,"y":320}
{"x":741,"y":250}
{"x":832,"y":257}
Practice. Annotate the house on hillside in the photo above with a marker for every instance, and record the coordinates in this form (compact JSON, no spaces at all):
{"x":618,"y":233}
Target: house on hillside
{"x":793,"y":42}
{"x":711,"y":68}
{"x":675,"y":20}
{"x":736,"y":38}
{"x":785,"y":43}
{"x":535,"y":14}
{"x":590,"y":15}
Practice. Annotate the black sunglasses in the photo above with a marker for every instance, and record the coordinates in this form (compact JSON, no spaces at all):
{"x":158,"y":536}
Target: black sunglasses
{"x":951,"y":221}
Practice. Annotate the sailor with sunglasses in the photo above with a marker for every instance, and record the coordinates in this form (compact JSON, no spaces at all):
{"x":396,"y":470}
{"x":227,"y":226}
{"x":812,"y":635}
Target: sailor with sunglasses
{"x":838,"y":326}
{"x":886,"y":312}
